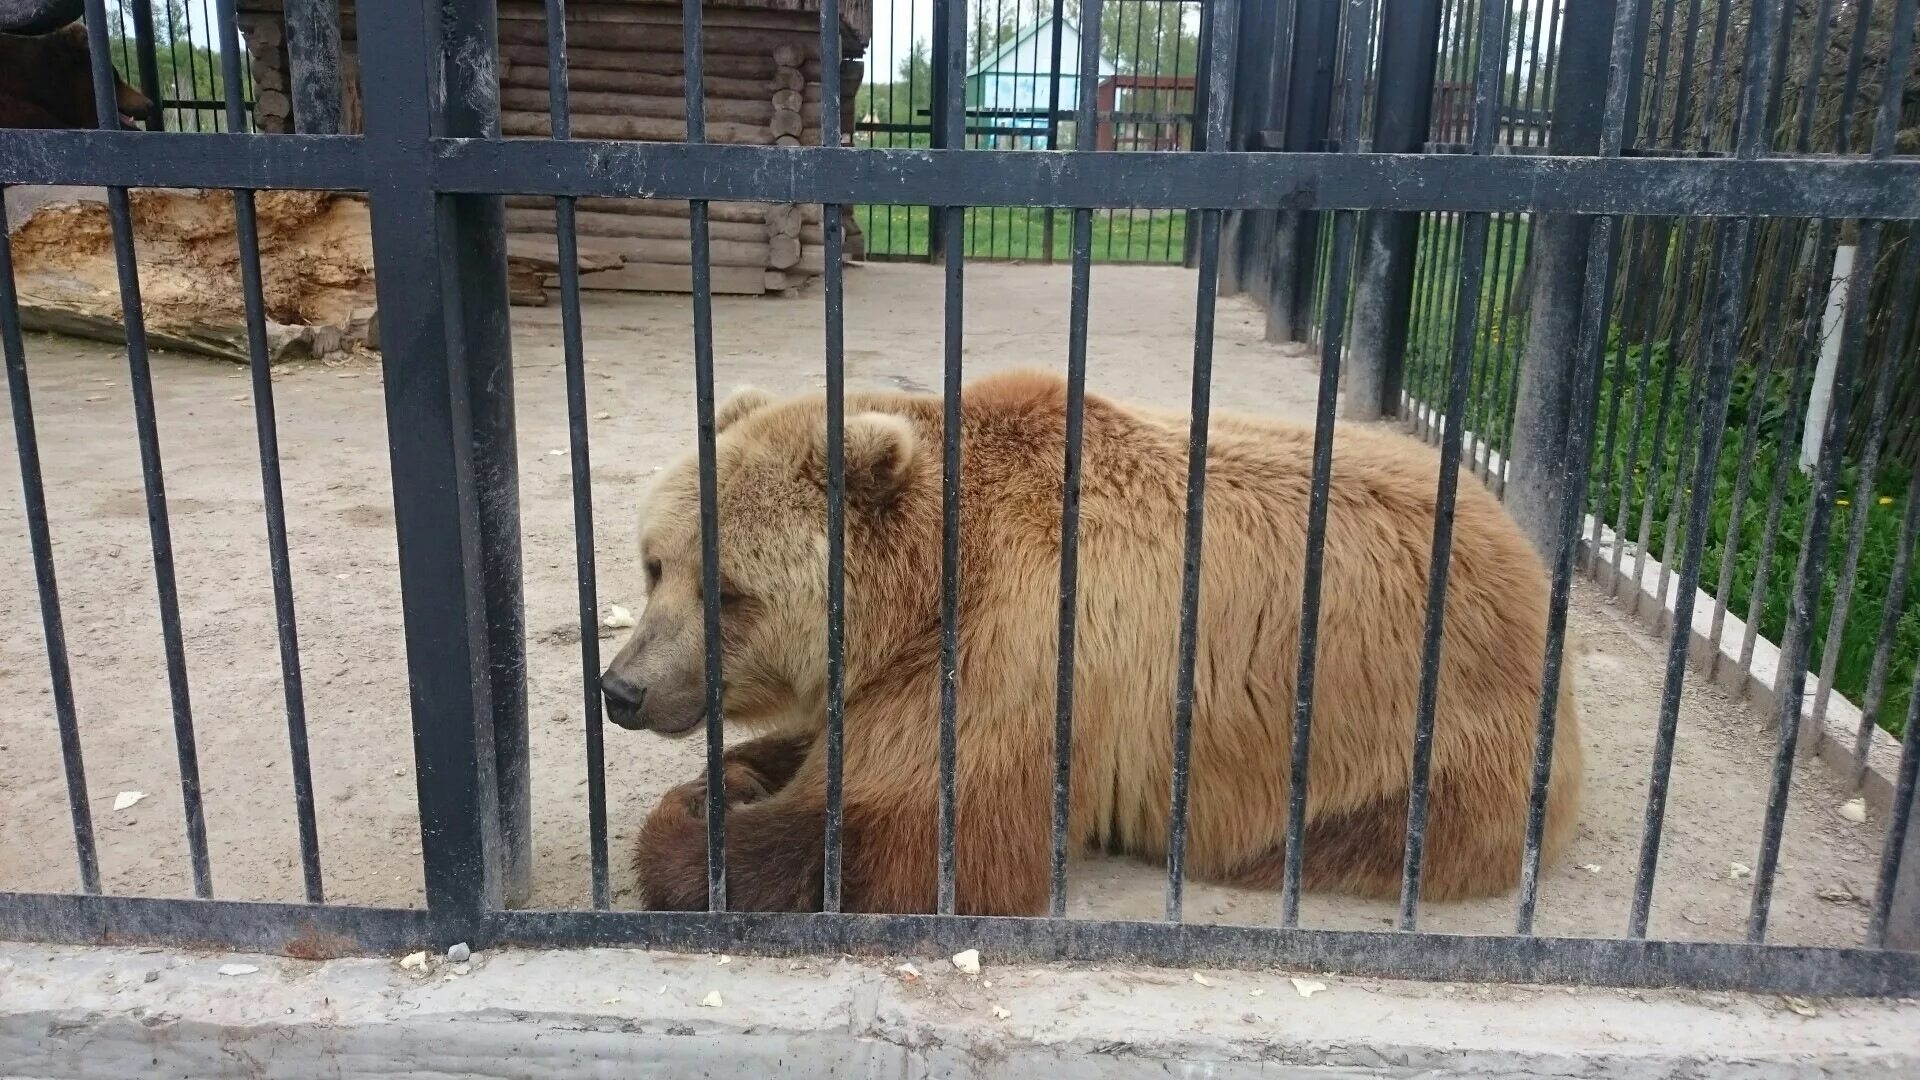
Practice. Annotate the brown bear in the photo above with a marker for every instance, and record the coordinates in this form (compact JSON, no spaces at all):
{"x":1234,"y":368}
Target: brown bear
{"x":771,"y":467}
{"x":46,"y":81}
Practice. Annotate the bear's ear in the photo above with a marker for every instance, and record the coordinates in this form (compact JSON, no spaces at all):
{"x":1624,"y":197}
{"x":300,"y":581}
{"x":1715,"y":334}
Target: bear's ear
{"x":879,"y":454}
{"x":743,"y":402}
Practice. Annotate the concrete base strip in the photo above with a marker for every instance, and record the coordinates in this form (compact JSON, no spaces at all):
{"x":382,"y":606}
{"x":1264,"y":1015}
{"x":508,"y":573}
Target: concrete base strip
{"x":119,"y":1012}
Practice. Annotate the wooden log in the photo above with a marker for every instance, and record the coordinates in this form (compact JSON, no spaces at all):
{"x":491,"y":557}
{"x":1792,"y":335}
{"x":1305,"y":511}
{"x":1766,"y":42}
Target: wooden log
{"x":654,"y":37}
{"x":792,"y":100}
{"x":665,"y":15}
{"x":719,"y":110}
{"x":787,"y":122}
{"x":659,"y":277}
{"x":726,"y":66}
{"x":784,"y":219}
{"x":543,"y":253}
{"x":528,"y":296}
{"x":791,"y":140}
{"x":640,"y":128}
{"x":662,"y":226}
{"x":753,"y":212}
{"x":585,"y":80}
{"x":789,"y":79}
{"x":643,"y":249}
{"x":784,"y":252}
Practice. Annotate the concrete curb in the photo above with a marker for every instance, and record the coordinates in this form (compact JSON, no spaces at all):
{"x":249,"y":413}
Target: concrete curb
{"x":119,"y":1012}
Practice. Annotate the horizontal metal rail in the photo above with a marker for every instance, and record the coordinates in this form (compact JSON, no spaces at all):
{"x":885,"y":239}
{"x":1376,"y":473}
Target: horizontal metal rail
{"x":313,"y":931}
{"x":1497,"y":183}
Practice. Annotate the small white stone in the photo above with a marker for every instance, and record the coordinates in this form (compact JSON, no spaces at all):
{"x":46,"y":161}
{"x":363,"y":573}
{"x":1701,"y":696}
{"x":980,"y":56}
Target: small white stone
{"x":1738,"y":871}
{"x":238,"y":969}
{"x":1257,"y":992}
{"x":712,"y":1000}
{"x":126,"y":799}
{"x":1202,"y":979}
{"x":968,"y":962}
{"x":724,"y":960}
{"x":617,"y":618}
{"x":415,"y":961}
{"x":1591,"y":868}
{"x":1310,"y":987}
{"x":1000,"y":1013}
{"x":908,"y":972}
{"x":459,"y":954}
{"x":1854,"y":810}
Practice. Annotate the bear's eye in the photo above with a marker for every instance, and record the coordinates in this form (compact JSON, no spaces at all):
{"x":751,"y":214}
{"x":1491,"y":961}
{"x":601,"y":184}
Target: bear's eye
{"x":653,"y":572}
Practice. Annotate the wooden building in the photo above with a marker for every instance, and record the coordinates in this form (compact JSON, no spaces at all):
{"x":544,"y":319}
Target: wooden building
{"x":626,"y":78}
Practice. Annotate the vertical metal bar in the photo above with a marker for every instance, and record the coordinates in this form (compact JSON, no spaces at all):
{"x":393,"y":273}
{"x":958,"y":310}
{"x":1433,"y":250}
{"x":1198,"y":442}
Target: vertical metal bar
{"x":1576,"y":466}
{"x":440,"y":257}
{"x":952,"y":13}
{"x":1896,"y":593}
{"x":835,"y":346}
{"x":1867,"y":467}
{"x":247,"y":235}
{"x":693,"y":60}
{"x":1893,"y":865}
{"x":1492,"y":27}
{"x":573,"y":345}
{"x":152,"y":472}
{"x":145,"y":61}
{"x":1056,"y":46}
{"x":1359,"y":34}
{"x":1389,"y":245}
{"x":1613,"y":399}
{"x":34,"y":494}
{"x":1083,"y":128}
{"x":1730,"y":309}
{"x":1219,"y":54}
{"x":1811,"y":576}
{"x":313,"y":55}
{"x":1813,"y":294}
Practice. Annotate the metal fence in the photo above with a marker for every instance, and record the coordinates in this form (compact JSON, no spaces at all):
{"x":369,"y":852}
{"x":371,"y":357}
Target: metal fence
{"x":1020,"y":81}
{"x":435,"y":169}
{"x":166,"y":49}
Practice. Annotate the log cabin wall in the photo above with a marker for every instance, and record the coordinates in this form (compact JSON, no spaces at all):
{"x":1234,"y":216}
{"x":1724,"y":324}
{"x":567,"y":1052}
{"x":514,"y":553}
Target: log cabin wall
{"x":627,"y":81}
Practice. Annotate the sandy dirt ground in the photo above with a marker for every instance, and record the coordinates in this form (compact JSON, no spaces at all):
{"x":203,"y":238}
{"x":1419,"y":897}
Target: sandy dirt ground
{"x":332,"y":430}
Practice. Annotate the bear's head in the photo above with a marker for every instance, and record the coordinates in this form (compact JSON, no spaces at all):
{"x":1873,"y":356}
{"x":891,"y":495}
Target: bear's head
{"x":47,"y":81}
{"x":770,"y":466}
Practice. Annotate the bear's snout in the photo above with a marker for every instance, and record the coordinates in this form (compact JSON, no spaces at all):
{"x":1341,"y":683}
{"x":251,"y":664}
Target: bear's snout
{"x":623,"y":701}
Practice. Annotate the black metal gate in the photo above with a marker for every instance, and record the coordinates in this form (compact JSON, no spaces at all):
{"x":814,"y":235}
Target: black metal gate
{"x":435,"y":167}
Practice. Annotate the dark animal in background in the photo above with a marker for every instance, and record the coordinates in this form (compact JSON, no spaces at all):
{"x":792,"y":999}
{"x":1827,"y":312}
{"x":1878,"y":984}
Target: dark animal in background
{"x":46,"y":81}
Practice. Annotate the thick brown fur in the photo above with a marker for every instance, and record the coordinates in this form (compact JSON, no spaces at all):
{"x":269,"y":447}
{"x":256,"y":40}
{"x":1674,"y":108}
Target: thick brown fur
{"x":46,"y":81}
{"x":772,"y":508}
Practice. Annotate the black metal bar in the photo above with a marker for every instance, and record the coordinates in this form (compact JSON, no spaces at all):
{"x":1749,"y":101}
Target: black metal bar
{"x":1473,"y":259}
{"x":1886,"y":927}
{"x":1209,"y":255}
{"x":1896,"y":593}
{"x":34,"y":494}
{"x":1056,"y":46}
{"x":1867,"y":466}
{"x":430,"y":435}
{"x":693,"y":56}
{"x":1215,"y":74}
{"x":1575,"y":459}
{"x":952,"y":14}
{"x":1809,"y":580}
{"x":835,"y":346}
{"x":313,"y":55}
{"x":1077,"y":317}
{"x":152,"y":471}
{"x":1559,"y":250}
{"x":1316,"y":32}
{"x":573,"y":346}
{"x":247,"y":237}
{"x":146,"y":62}
{"x":1811,"y":575}
{"x":1819,"y":272}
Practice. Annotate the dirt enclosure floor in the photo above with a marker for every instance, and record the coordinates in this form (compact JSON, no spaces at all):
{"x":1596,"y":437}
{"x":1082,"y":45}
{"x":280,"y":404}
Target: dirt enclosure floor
{"x":333,"y":435}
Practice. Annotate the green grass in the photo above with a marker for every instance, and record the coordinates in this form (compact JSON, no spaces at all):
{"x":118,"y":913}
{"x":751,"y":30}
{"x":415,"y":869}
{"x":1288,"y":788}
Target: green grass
{"x":1019,"y":233}
{"x":1637,"y":463}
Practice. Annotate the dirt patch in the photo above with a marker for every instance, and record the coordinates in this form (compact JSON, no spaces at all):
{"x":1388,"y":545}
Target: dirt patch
{"x":640,"y":389}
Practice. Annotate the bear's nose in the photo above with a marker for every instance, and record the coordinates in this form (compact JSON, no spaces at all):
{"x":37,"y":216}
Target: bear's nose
{"x":623,"y":700}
